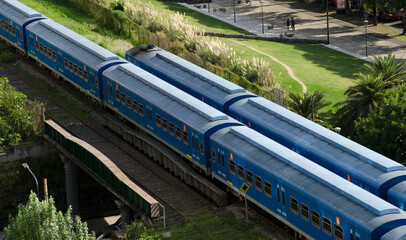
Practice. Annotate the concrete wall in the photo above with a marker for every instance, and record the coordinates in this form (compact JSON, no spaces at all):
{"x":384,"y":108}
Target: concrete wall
{"x":25,"y":150}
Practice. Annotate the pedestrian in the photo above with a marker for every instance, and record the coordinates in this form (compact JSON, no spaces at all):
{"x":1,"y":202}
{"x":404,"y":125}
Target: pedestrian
{"x":292,"y":23}
{"x":288,"y":23}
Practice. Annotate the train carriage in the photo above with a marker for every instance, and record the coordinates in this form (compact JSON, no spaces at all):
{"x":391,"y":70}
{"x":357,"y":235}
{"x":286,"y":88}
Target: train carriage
{"x":196,"y":81}
{"x":354,"y":162}
{"x":164,"y":111}
{"x":310,"y":199}
{"x":70,"y":55}
{"x":14,"y":17}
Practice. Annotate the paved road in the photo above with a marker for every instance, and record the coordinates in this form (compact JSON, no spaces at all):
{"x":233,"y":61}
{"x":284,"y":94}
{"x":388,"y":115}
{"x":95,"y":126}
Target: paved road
{"x":344,"y":36}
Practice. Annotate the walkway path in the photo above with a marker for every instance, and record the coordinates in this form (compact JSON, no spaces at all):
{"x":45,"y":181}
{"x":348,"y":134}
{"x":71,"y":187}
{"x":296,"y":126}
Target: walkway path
{"x":344,"y":36}
{"x":290,"y":71}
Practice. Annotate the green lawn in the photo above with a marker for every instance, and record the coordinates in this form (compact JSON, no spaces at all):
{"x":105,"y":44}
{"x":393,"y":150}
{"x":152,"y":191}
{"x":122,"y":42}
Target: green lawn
{"x":318,"y":67}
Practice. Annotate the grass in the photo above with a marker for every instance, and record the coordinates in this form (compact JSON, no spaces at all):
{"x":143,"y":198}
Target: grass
{"x":318,"y":67}
{"x":198,"y":19}
{"x":80,"y":22}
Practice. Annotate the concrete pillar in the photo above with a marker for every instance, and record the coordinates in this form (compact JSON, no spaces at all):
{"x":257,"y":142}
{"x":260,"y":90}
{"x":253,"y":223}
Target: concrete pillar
{"x":125,"y":212}
{"x":72,"y":196}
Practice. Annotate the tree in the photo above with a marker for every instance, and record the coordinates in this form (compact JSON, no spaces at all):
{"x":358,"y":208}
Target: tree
{"x":386,"y":132}
{"x":302,"y":104}
{"x":399,"y":4}
{"x":15,"y":119}
{"x":40,"y":220}
{"x":362,"y":100}
{"x":393,"y":72}
{"x":374,"y":4}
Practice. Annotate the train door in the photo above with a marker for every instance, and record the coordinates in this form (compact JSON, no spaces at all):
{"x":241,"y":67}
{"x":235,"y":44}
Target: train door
{"x":281,"y":200}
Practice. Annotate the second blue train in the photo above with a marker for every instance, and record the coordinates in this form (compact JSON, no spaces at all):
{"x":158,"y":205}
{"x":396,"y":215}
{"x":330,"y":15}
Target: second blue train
{"x":354,"y":162}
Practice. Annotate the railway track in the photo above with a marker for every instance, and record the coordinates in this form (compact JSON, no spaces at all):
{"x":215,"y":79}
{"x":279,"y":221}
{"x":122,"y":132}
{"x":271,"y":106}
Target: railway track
{"x":72,"y":110}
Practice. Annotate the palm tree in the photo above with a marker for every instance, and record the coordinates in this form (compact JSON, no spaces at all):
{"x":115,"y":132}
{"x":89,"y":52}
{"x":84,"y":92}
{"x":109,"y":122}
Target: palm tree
{"x":374,"y":5}
{"x":363,"y":100}
{"x":393,"y":72}
{"x":302,"y":104}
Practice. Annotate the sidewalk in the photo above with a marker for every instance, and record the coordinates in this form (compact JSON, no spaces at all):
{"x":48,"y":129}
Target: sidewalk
{"x":344,"y":37}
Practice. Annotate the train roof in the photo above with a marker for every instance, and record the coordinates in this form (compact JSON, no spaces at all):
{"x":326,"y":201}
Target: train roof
{"x":164,"y":95}
{"x":399,"y":191}
{"x":317,"y":139}
{"x":320,"y":184}
{"x":397,"y":233}
{"x":187,"y":73}
{"x":72,"y":43}
{"x":17,"y":11}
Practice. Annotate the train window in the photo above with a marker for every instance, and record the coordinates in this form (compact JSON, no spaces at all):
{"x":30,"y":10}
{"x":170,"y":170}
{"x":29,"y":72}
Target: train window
{"x":135,"y":106}
{"x":75,"y":69}
{"x":49,"y":53}
{"x":141,"y":109}
{"x":45,"y":51}
{"x":32,"y":42}
{"x":316,"y":219}
{"x":128,"y":102}
{"x":268,"y":189}
{"x":70,"y":66}
{"x":351,"y":237}
{"x":122,"y":98}
{"x":219,"y":158}
{"x":97,"y":82}
{"x":21,"y":36}
{"x":231,"y":166}
{"x":197,"y":147}
{"x":213,"y":154}
{"x":283,"y":198}
{"x":177,"y":132}
{"x":2,"y":23}
{"x":54,"y":55}
{"x":201,"y":148}
{"x":14,"y":31}
{"x":164,"y":124}
{"x":158,"y":120}
{"x":304,"y":211}
{"x":66,"y":63}
{"x":222,"y":160}
{"x":327,"y":226}
{"x":171,"y":128}
{"x":17,"y":33}
{"x":278,"y":194}
{"x":85,"y":76}
{"x":41,"y":50}
{"x":185,"y":138}
{"x":60,"y":59}
{"x":80,"y":73}
{"x":294,"y":205}
{"x":36,"y":44}
{"x":117,"y":95}
{"x":338,"y":232}
{"x":258,"y":183}
{"x":250,"y":179}
{"x":240,"y":171}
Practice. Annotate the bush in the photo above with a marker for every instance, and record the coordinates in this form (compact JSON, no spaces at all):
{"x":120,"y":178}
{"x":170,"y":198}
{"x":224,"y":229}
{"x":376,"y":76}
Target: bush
{"x":40,"y":220}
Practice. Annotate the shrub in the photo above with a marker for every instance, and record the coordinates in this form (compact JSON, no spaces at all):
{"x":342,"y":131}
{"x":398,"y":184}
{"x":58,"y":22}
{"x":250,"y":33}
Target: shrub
{"x":40,"y":220}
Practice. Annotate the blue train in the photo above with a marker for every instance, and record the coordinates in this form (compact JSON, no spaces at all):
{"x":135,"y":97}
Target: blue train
{"x":310,"y":199}
{"x":359,"y":165}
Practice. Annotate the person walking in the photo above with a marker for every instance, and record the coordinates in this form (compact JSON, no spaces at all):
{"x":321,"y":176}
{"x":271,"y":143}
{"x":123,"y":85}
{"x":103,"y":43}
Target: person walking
{"x":292,"y":23}
{"x":287,"y":23}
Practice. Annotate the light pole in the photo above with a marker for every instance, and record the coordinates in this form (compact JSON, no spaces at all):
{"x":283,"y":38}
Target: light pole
{"x":234,"y":11}
{"x":262,"y":5}
{"x":328,"y":31}
{"x":314,"y":94}
{"x":25,"y":165}
{"x":366,"y":36}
